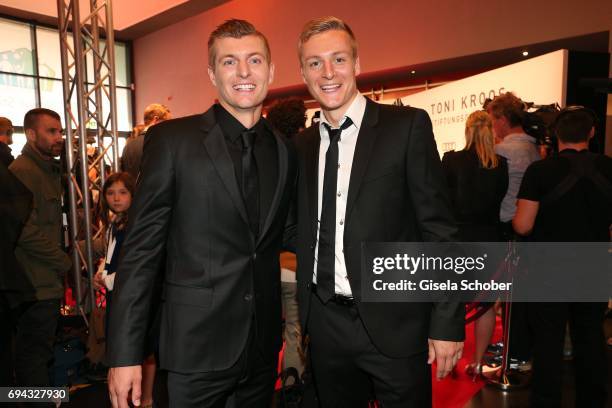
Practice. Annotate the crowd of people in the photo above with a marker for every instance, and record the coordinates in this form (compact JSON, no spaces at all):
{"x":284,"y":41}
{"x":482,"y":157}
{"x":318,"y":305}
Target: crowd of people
{"x":504,"y":190}
{"x":221,"y":223}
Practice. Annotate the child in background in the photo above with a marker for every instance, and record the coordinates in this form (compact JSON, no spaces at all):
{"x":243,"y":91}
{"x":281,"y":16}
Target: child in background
{"x":116,"y":200}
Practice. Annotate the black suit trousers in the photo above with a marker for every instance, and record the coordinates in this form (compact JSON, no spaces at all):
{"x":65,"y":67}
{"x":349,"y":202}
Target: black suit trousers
{"x":248,"y":383}
{"x":349,"y":371}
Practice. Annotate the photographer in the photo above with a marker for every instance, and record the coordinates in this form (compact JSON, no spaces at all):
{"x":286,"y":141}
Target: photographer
{"x":513,"y":143}
{"x":568,"y":198}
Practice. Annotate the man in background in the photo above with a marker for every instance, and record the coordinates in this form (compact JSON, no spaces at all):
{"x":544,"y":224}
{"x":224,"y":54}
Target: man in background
{"x":6,"y":139}
{"x":39,"y":248}
{"x":568,"y":198}
{"x":132,"y":153}
{"x":520,"y":150}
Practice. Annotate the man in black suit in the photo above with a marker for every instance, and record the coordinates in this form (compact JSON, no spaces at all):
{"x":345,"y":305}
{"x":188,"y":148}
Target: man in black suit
{"x":213,"y":198}
{"x":368,"y":173}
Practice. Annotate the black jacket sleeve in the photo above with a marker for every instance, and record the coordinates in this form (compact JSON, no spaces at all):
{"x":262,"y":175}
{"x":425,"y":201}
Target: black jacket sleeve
{"x":142,"y":252}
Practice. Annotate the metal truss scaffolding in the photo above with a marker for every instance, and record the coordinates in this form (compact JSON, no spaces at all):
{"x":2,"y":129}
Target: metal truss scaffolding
{"x":91,"y":127}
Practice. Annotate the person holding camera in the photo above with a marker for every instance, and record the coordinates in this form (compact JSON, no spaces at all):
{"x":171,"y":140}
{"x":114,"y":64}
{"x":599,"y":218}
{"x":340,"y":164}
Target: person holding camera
{"x":519,"y":149}
{"x":568,"y":198}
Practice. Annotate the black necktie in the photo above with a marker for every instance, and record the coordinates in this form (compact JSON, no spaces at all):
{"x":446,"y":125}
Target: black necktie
{"x":327,"y":225}
{"x":250,"y":183}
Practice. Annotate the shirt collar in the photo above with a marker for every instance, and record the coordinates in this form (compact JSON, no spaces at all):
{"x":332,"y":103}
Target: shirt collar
{"x":355,"y":111}
{"x":232,"y":128}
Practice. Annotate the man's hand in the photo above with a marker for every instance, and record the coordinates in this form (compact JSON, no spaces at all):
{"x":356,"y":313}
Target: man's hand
{"x":122,"y":380}
{"x":446,"y":354}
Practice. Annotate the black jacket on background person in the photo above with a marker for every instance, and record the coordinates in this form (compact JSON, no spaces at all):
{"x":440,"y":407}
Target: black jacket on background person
{"x":476,"y":194}
{"x":219,"y":278}
{"x":132,"y":155}
{"x":15,"y":208}
{"x":5,"y":154}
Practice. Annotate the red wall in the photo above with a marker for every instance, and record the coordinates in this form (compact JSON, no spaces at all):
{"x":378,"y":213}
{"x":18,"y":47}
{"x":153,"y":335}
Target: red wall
{"x":125,"y":12}
{"x":170,"y":64}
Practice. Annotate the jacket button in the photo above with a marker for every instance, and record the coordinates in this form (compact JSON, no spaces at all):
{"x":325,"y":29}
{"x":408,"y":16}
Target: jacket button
{"x":308,"y":285}
{"x":254,"y":256}
{"x":248,"y":297}
{"x":312,"y":247}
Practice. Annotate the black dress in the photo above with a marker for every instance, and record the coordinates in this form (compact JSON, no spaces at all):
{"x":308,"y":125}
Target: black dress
{"x":476,"y":194}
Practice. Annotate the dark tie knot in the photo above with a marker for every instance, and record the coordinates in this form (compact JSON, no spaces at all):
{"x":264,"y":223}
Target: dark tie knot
{"x":248,"y":139}
{"x":334,"y":134}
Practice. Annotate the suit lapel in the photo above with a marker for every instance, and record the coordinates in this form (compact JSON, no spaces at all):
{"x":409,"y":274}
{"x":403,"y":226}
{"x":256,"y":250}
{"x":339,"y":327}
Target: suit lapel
{"x":313,"y":143}
{"x":214,"y":143}
{"x":363,"y":150}
{"x":283,"y":166}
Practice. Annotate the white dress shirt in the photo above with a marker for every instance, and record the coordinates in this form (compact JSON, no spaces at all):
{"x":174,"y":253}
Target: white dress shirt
{"x":346,"y":151}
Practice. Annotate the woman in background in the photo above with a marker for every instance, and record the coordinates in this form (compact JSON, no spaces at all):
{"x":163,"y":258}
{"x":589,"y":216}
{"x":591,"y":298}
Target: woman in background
{"x":478,"y":180}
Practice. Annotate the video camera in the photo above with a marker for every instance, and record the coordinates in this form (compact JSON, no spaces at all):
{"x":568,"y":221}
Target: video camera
{"x":538,"y":121}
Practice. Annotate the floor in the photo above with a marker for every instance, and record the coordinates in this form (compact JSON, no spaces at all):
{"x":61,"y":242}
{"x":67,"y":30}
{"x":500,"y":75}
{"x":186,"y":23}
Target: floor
{"x":96,"y":395}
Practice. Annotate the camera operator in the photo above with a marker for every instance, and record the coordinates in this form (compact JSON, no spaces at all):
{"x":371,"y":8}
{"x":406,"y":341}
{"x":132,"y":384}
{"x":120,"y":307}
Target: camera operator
{"x":507,"y":114}
{"x":568,"y":198}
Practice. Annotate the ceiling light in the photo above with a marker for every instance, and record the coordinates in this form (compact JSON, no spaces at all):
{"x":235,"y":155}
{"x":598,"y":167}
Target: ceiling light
{"x":525,"y":53}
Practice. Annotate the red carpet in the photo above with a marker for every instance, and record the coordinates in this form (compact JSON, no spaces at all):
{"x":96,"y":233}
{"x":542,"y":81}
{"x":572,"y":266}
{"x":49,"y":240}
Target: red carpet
{"x":451,"y":392}
{"x":456,"y":391}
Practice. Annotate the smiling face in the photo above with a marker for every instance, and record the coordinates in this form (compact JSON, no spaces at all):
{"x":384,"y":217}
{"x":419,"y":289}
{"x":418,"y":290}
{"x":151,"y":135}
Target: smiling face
{"x":329,"y":69}
{"x":241,"y":73}
{"x":118,"y":197}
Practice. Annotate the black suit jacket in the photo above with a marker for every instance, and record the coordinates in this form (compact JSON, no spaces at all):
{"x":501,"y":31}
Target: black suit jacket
{"x":397,"y":193}
{"x":218,"y":279}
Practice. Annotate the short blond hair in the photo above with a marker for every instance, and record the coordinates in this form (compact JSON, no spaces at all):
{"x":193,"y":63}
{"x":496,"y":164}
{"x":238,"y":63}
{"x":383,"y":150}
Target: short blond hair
{"x":324,"y":24}
{"x":156,"y":110}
